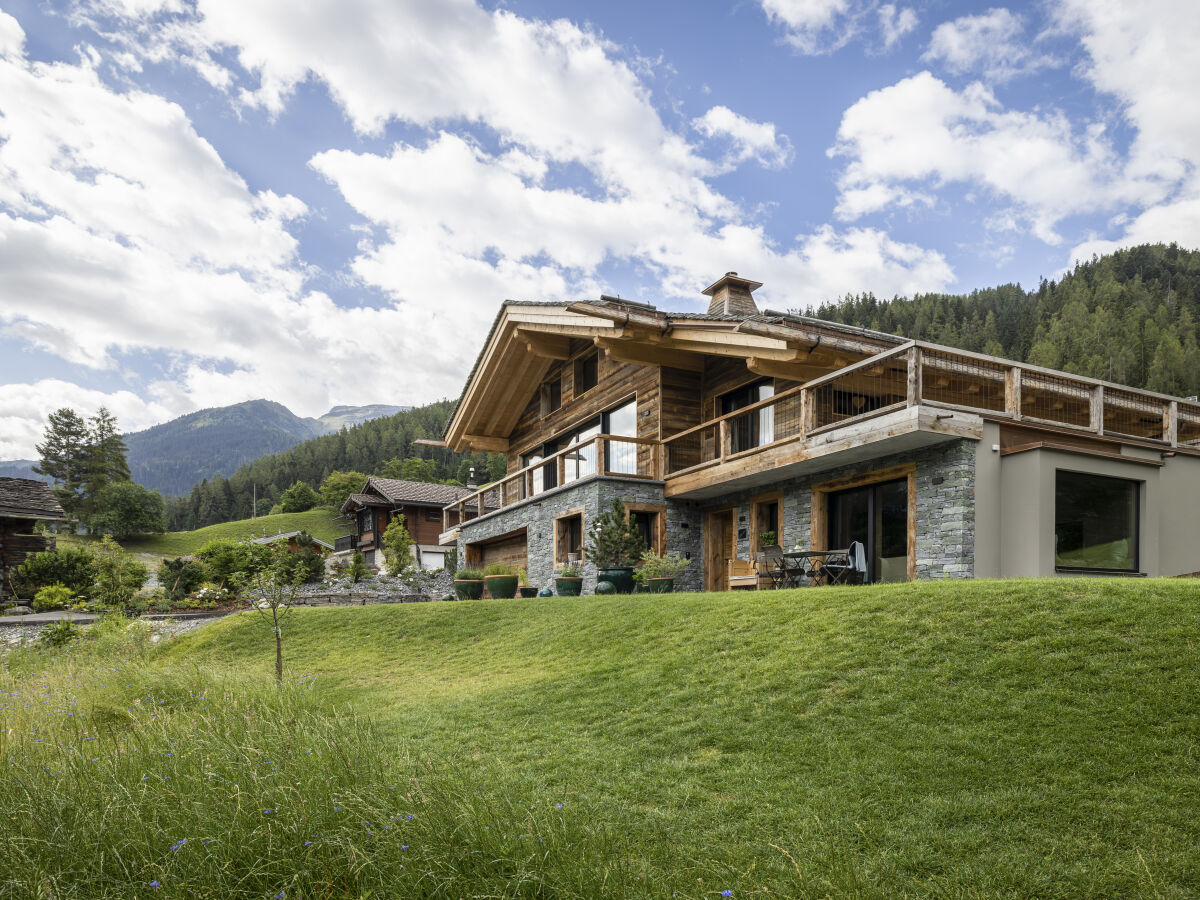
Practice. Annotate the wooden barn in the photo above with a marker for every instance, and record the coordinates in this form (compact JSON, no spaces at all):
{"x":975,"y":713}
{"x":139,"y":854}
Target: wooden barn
{"x":23,"y":502}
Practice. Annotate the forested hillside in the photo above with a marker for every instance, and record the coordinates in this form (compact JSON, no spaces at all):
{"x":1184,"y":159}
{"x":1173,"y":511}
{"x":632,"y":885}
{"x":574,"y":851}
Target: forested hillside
{"x":379,"y":447}
{"x":1130,"y":318}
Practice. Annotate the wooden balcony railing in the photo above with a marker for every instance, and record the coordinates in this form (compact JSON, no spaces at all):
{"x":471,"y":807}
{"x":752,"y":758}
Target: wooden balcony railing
{"x":602,"y":455}
{"x":915,"y":374}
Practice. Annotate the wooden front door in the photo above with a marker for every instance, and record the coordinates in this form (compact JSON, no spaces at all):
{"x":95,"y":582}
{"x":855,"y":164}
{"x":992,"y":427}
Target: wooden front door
{"x":718,"y":549}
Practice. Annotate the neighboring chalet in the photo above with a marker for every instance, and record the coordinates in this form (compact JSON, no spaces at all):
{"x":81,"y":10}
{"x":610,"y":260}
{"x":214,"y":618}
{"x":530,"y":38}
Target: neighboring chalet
{"x":381,"y":499}
{"x":23,"y":501}
{"x":714,"y":428}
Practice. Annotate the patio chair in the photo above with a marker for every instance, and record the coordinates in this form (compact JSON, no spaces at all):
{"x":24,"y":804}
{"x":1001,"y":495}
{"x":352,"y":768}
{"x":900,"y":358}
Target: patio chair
{"x":769,"y":567}
{"x":852,"y":571}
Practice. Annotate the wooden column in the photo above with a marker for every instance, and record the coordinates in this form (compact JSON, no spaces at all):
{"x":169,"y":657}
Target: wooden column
{"x":1097,"y":409}
{"x":914,"y":376}
{"x":1012,"y":392}
{"x":1171,"y":423}
{"x":723,"y":438}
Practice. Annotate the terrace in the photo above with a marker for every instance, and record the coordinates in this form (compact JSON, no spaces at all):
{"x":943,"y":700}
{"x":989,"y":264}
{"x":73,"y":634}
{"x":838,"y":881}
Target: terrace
{"x":912,"y":396}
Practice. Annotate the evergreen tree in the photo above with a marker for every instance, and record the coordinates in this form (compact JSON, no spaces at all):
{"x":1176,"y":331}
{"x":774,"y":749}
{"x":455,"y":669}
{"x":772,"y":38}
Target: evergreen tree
{"x":103,"y":461}
{"x":63,"y":454}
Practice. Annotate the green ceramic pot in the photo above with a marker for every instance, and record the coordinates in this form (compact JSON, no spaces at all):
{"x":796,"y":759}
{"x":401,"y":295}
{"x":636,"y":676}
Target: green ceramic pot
{"x":620,"y":576}
{"x":528,"y":591}
{"x":468,"y":590}
{"x":568,"y":587}
{"x":659,"y":585}
{"x":502,"y":587}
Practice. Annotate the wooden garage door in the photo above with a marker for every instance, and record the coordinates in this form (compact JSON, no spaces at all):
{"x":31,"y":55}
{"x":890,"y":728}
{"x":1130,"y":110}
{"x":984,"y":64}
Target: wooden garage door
{"x":511,"y":551}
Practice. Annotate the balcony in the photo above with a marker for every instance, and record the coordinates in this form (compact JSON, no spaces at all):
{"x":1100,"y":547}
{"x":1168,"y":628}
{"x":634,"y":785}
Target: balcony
{"x":912,"y":396}
{"x":345,"y":542}
{"x":604,"y":455}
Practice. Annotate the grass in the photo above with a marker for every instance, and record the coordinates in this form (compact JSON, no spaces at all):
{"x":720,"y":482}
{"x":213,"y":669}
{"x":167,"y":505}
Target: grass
{"x":1034,"y":738}
{"x":317,"y":522}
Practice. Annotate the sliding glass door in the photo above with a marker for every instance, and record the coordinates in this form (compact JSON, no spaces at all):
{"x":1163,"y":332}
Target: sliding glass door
{"x":875,"y":516}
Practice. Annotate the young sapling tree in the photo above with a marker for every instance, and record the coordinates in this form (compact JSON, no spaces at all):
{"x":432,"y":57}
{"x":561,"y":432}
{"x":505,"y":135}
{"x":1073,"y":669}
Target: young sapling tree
{"x":270,"y":590}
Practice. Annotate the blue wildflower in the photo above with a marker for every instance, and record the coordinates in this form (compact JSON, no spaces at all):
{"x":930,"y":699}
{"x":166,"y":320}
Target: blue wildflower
{"x":155,"y":884}
{"x":726,"y":893}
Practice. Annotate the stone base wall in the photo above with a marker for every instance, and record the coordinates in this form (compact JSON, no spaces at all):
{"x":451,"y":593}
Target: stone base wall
{"x":945,"y":544}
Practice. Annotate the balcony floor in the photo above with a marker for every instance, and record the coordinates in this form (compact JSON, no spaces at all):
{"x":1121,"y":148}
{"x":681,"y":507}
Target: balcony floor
{"x":910,"y":428}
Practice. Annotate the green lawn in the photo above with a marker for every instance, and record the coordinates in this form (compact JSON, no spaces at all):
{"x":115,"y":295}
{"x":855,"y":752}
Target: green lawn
{"x":1016,"y":739}
{"x":317,"y":522}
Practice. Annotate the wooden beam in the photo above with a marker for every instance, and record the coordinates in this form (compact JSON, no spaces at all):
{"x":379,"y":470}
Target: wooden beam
{"x":429,"y":442}
{"x":623,"y":351}
{"x":487,"y":443}
{"x":546,"y":346}
{"x":793,"y":371}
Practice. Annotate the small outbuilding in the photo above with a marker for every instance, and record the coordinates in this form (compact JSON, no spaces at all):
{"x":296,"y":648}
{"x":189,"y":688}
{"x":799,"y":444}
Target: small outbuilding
{"x":23,"y":502}
{"x":294,"y":544}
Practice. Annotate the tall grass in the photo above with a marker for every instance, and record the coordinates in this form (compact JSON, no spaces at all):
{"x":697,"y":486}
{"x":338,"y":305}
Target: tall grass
{"x":191,"y":782}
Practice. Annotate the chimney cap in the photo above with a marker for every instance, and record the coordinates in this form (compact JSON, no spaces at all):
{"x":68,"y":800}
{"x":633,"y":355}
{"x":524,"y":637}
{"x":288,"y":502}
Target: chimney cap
{"x":731,"y":279}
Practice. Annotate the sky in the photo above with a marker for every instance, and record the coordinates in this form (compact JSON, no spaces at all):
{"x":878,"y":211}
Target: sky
{"x":320,"y":203}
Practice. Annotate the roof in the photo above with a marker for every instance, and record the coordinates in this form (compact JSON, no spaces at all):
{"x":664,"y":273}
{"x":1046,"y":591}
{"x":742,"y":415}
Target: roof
{"x":288,"y":535}
{"x":27,"y":498}
{"x":397,"y":491}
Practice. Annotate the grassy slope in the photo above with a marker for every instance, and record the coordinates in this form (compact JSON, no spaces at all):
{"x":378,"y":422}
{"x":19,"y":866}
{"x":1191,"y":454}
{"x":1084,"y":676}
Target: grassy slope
{"x":317,"y":522}
{"x":1011,"y":738}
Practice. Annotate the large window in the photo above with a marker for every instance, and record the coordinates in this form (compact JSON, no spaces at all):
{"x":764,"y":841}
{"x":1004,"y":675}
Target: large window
{"x":581,"y":461}
{"x":1095,"y":523}
{"x":754,"y":429}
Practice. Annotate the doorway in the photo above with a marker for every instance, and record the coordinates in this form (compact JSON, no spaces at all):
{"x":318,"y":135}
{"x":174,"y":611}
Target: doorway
{"x":877,"y":516}
{"x":719,"y":549}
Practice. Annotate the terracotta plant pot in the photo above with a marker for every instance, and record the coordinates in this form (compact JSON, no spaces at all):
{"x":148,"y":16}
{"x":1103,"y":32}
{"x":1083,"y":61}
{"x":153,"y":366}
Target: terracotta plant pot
{"x":528,"y":592}
{"x":468,"y":590}
{"x":502,"y":587}
{"x":568,"y":587}
{"x":620,"y":576}
{"x":659,"y":585}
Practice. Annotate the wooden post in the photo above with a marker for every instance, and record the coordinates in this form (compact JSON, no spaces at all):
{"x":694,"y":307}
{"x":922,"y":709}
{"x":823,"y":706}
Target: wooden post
{"x":1012,"y":392}
{"x":1097,"y":409}
{"x":600,"y":448}
{"x":723,"y":438}
{"x":805,"y":412}
{"x":659,"y":472}
{"x":1171,"y":423}
{"x":914,"y":376}
{"x":561,"y":468}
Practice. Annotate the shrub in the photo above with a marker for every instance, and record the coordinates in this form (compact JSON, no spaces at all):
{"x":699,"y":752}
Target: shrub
{"x":53,"y":596}
{"x":180,"y":576}
{"x":229,"y":564}
{"x":500,"y":569}
{"x":613,"y":540}
{"x":768,"y":539}
{"x":118,"y":576}
{"x":469,"y":573}
{"x":570,"y":571}
{"x":59,"y":634}
{"x":299,"y":498}
{"x":308,"y":564}
{"x":666,"y":566}
{"x":72,"y":567}
{"x":397,"y":546}
{"x":357,"y":570}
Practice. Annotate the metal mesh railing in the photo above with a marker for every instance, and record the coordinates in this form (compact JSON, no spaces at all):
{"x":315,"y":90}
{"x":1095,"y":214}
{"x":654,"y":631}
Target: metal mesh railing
{"x":1055,"y":399}
{"x":1187,"y":430}
{"x":692,"y":449}
{"x":1134,"y":415}
{"x":962,"y":381}
{"x":867,"y":389}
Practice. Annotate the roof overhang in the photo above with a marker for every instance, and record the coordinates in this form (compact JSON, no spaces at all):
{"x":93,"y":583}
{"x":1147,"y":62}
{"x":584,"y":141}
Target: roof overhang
{"x":527,"y":339}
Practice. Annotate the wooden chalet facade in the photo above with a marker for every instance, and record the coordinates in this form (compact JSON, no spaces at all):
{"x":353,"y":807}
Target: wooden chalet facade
{"x":23,"y":502}
{"x":715,"y":428}
{"x":421,"y":504}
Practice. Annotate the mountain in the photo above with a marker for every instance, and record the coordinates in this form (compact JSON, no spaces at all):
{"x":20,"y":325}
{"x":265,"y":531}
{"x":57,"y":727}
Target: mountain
{"x":21,"y":468}
{"x":348,"y":416}
{"x":175,"y":455}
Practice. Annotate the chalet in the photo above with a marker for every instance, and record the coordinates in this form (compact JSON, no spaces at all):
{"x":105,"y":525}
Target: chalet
{"x":23,"y":502}
{"x":718,"y":427}
{"x":421,"y":504}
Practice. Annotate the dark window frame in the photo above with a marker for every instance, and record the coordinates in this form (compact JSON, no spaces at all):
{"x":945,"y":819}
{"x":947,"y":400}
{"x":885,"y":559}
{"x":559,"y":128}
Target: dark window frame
{"x":592,"y":361}
{"x":1135,"y":538}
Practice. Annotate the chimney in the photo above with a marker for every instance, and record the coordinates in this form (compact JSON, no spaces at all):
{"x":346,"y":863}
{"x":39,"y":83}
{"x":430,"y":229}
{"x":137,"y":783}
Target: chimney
{"x":471,"y":482}
{"x":731,"y":296}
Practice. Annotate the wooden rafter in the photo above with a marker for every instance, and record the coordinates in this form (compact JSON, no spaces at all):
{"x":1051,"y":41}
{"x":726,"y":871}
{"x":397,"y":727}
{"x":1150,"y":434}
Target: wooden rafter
{"x":547,"y":346}
{"x":640,"y":354}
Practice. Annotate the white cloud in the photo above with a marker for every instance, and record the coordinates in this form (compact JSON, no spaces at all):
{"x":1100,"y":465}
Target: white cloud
{"x":992,"y":44}
{"x":12,"y":36}
{"x":824,"y":26}
{"x":895,"y":23}
{"x":748,"y":140}
{"x":906,"y":140}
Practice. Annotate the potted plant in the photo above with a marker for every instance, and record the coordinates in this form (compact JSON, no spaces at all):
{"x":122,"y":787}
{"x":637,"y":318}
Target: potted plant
{"x":501,"y":581}
{"x":569,"y":581}
{"x":657,"y":573}
{"x":615,"y":546}
{"x":468,"y":583}
{"x":525,"y":589}
{"x":768,"y":539}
